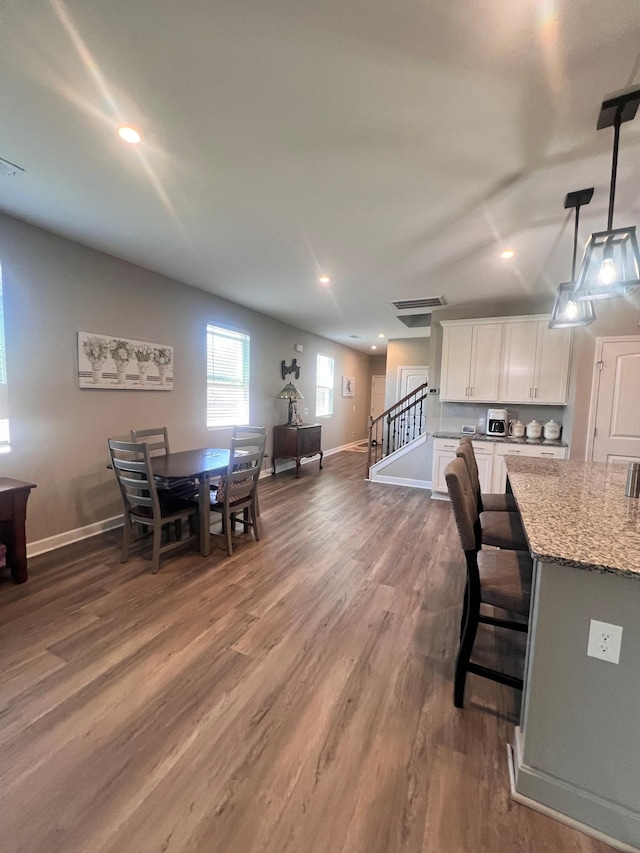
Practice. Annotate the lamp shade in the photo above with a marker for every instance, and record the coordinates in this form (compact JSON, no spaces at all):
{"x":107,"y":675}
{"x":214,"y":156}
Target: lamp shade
{"x":290,"y":393}
{"x":569,"y":314}
{"x":610,"y":265}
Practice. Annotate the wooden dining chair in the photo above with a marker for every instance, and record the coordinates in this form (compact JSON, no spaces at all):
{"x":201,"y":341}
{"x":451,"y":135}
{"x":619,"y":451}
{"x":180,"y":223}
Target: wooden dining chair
{"x":500,"y":522}
{"x":157,"y":440}
{"x":247,"y":432}
{"x":131,"y":462}
{"x":237,"y":490}
{"x":499,"y":579}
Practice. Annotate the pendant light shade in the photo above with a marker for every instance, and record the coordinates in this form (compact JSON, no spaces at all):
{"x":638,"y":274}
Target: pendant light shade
{"x":567,"y":312}
{"x":610,"y":266}
{"x":611,"y":262}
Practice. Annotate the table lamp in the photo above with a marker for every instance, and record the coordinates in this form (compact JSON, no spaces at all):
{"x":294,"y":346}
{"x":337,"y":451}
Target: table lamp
{"x":290,"y":393}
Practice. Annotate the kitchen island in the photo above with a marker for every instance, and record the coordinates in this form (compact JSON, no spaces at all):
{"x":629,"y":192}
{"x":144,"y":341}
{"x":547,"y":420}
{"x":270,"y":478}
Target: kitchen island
{"x":576,"y":753}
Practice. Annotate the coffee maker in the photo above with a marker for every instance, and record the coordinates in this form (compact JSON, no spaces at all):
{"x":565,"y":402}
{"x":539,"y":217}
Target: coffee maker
{"x":497,"y":422}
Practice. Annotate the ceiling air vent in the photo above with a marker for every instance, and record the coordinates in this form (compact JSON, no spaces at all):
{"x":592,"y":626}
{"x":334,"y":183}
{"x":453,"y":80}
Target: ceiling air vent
{"x":425,"y":302}
{"x":8,"y":169}
{"x":356,"y":337}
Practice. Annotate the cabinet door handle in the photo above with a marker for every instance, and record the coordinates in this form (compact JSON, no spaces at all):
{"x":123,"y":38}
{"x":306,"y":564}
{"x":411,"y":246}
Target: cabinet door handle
{"x":471,"y":390}
{"x":449,"y":446}
{"x":547,"y":454}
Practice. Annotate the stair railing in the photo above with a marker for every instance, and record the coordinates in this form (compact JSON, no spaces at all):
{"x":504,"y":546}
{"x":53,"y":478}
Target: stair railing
{"x":397,"y":426}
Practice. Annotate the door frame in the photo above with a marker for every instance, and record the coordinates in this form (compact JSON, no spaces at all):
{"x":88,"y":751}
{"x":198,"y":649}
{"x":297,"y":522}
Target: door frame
{"x":377,"y":376}
{"x":595,"y":386}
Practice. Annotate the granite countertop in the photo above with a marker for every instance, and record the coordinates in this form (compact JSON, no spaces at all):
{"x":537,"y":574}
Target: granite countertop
{"x":502,"y":439}
{"x":577,"y":514}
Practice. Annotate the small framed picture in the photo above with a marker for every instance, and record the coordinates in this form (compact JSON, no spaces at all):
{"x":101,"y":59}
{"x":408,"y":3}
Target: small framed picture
{"x":348,"y":386}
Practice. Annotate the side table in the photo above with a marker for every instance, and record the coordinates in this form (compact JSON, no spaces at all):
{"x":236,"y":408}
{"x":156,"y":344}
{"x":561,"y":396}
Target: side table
{"x":296,"y":442}
{"x":13,"y":514}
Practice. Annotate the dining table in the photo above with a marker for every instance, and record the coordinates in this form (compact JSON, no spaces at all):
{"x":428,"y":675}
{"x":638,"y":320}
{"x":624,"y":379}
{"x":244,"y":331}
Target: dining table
{"x":173,"y":471}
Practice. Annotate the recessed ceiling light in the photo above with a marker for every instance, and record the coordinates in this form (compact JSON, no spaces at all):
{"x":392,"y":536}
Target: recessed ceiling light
{"x":129,"y":134}
{"x":324,"y":279}
{"x":374,"y":347}
{"x":381,"y":335}
{"x":508,"y":253}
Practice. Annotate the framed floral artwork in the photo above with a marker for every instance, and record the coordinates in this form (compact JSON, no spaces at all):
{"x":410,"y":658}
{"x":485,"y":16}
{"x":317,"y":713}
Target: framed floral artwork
{"x":120,"y":364}
{"x":348,"y":386}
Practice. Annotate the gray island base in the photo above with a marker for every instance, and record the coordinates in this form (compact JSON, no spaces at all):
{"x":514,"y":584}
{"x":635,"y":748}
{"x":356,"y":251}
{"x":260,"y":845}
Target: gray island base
{"x":576,"y":753}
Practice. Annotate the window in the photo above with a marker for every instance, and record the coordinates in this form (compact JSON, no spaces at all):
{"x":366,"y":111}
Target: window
{"x":4,"y":407}
{"x":227,"y":377}
{"x":324,"y":386}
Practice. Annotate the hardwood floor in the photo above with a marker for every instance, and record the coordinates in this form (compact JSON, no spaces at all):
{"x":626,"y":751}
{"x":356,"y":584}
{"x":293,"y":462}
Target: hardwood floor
{"x":295,"y":697}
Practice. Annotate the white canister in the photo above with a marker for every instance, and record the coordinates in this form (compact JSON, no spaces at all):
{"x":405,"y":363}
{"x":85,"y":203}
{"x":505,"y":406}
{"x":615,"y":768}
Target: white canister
{"x":516,"y":429}
{"x":534,"y":429}
{"x":551,"y":431}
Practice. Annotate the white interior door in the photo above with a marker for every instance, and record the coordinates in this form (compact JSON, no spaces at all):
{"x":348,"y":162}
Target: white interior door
{"x":410,"y":378}
{"x":378,"y":384}
{"x":616,"y":436}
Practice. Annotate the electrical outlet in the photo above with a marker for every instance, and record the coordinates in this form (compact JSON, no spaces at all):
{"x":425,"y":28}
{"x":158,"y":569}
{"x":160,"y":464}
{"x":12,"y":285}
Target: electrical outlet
{"x":306,"y":411}
{"x":604,"y":641}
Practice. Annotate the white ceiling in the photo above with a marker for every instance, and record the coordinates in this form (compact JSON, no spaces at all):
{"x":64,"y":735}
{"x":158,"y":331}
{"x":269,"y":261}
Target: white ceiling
{"x":397,"y":145}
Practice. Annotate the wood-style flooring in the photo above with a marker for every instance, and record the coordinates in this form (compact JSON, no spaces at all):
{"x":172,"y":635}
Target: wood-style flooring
{"x":294,"y":698}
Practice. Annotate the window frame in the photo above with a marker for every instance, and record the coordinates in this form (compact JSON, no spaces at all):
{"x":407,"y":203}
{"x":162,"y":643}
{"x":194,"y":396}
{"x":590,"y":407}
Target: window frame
{"x":241,"y":416}
{"x":5,"y":436}
{"x":329,"y":388}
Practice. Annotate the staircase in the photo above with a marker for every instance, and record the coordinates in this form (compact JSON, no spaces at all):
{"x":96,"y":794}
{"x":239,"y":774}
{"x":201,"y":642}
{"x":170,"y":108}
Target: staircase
{"x":401,"y":424}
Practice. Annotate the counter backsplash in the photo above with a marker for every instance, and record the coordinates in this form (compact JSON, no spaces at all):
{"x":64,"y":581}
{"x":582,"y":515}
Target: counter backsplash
{"x":454,"y":415}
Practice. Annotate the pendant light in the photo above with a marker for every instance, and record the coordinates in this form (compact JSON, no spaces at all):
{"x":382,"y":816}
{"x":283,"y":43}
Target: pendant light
{"x":611,"y":261}
{"x":567,"y":313}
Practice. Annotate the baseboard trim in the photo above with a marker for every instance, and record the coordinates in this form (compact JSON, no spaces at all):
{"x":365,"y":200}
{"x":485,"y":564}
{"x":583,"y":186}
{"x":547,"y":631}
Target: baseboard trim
{"x":41,"y":546}
{"x":401,"y":481}
{"x":559,"y":816}
{"x":51,"y":543}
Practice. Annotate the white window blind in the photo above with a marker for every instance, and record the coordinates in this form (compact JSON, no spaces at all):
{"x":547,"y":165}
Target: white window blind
{"x":227,"y":377}
{"x":4,"y":405}
{"x":324,"y":386}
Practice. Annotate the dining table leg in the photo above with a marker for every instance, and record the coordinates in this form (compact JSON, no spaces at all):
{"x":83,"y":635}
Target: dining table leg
{"x":205,"y":515}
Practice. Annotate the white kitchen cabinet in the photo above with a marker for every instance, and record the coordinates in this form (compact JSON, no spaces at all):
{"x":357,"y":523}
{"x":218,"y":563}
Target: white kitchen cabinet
{"x":552,"y":364}
{"x":541,"y":451}
{"x":490,"y":456}
{"x":535,"y":365}
{"x":444,"y":450}
{"x":484,"y":460}
{"x":471,"y":359}
{"x":518,"y":363}
{"x":505,"y":360}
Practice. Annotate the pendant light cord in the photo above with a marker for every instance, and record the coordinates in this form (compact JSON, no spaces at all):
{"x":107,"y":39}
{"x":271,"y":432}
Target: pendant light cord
{"x":614,"y":165}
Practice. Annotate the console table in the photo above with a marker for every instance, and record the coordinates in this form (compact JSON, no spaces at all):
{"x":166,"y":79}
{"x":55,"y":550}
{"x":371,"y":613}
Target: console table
{"x":296,"y":442}
{"x":13,"y":513}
